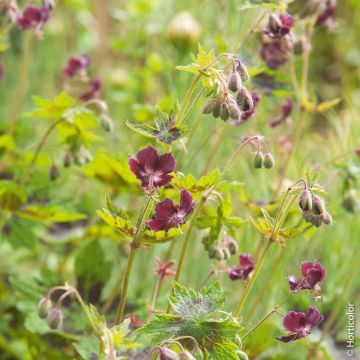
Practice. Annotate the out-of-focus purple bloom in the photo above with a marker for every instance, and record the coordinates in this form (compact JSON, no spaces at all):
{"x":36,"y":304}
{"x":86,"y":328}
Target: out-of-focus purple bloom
{"x":274,"y":53}
{"x":326,"y":11}
{"x":242,"y":271}
{"x":300,"y":324}
{"x":168,"y":215}
{"x":152,"y":169}
{"x":11,"y":8}
{"x":77,"y":64}
{"x":34,"y":17}
{"x":279,"y":26}
{"x":284,"y":115}
{"x":93,"y":92}
{"x":313,"y":273}
{"x":247,"y":113}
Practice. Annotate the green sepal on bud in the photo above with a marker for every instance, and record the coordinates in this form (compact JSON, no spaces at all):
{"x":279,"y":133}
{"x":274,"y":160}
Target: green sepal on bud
{"x":269,"y":160}
{"x":216,"y":111}
{"x":305,"y":200}
{"x":224,"y":111}
{"x":242,"y":71}
{"x":318,"y":207}
{"x":55,"y":319}
{"x":168,"y":354}
{"x":234,"y":111}
{"x":209,"y":106}
{"x":44,"y":307}
{"x":234,"y":83}
{"x":258,"y":160}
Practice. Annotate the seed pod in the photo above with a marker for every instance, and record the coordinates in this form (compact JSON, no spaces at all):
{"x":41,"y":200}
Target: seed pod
{"x":305,"y":200}
{"x":258,"y":160}
{"x":244,"y":99}
{"x":44,"y":307}
{"x":55,"y":318}
{"x":234,"y":111}
{"x":168,"y":354}
{"x":326,"y":218}
{"x":67,"y":160}
{"x":318,"y":207}
{"x":241,"y":69}
{"x":54,"y":172}
{"x":209,"y":106}
{"x":224,"y":111}
{"x":185,"y":355}
{"x":234,"y":83}
{"x":269,"y":161}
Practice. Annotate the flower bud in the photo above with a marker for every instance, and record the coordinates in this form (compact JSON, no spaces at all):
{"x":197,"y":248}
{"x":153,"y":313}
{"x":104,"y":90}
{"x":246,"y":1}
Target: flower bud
{"x":44,"y":307}
{"x":234,"y":83}
{"x":106,"y":123}
{"x":305,"y":200}
{"x":231,"y":245}
{"x":168,"y":354}
{"x":258,"y":160}
{"x":234,"y":111}
{"x":185,"y":355}
{"x":225,"y":254}
{"x":224,"y":111}
{"x":244,"y":99}
{"x":55,"y":318}
{"x":216,"y":111}
{"x":269,"y":161}
{"x":351,"y":202}
{"x":67,"y":160}
{"x":215,"y":253}
{"x":241,"y":69}
{"x":326,"y":218}
{"x":318,"y":207}
{"x":53,"y":172}
{"x":209,"y":106}
{"x":242,"y":356}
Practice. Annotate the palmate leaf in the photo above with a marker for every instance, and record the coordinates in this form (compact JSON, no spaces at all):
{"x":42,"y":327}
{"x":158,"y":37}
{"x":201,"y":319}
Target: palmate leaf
{"x":118,"y":223}
{"x":199,"y":315}
{"x":163,"y":129}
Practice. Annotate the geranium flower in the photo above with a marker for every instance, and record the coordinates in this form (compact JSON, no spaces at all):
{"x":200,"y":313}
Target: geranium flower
{"x":300,"y":324}
{"x":163,"y":270}
{"x":247,"y":113}
{"x":242,"y":271}
{"x":326,"y":12}
{"x":313,"y":273}
{"x":77,"y":64}
{"x":34,"y":17}
{"x":168,"y":215}
{"x":93,"y":92}
{"x":274,"y":53}
{"x":284,"y":114}
{"x":279,"y":26}
{"x":152,"y":169}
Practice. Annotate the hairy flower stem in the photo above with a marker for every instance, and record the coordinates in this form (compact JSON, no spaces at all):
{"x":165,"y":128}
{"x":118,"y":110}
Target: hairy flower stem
{"x":23,"y":180}
{"x":155,"y":294}
{"x":337,"y":307}
{"x":133,"y":247}
{"x":21,"y":84}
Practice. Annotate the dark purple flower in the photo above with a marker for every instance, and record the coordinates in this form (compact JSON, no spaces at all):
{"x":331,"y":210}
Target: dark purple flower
{"x":77,"y":64}
{"x":279,"y":26}
{"x":300,"y":324}
{"x":274,"y":53}
{"x":242,"y":271}
{"x":326,"y":12}
{"x":93,"y":92}
{"x":34,"y":17}
{"x":313,"y":273}
{"x":284,"y":115}
{"x":152,"y":169}
{"x":168,"y":215}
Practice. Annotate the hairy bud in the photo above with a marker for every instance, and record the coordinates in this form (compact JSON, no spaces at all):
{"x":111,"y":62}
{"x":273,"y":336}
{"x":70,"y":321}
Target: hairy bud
{"x":269,"y":160}
{"x":258,"y":160}
{"x":216,"y":111}
{"x":231,"y":245}
{"x":305,"y":200}
{"x":244,"y":99}
{"x":234,"y":83}
{"x":224,"y":111}
{"x":241,"y":69}
{"x":326,"y":218}
{"x":55,"y":318}
{"x":54,"y":172}
{"x":67,"y":160}
{"x":318,"y":207}
{"x":209,"y":106}
{"x":168,"y":354}
{"x":44,"y":307}
{"x":234,"y":111}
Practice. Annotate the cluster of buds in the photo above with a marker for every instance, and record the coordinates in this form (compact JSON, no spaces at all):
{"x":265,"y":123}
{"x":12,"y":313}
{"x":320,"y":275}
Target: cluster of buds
{"x":351,"y":201}
{"x":277,"y":41}
{"x":233,"y":101}
{"x":313,"y":208}
{"x":221,"y":249}
{"x":79,"y":155}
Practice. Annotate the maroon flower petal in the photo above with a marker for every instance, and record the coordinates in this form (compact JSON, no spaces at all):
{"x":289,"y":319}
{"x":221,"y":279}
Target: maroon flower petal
{"x":187,"y":204}
{"x":246,"y":260}
{"x":148,"y":157}
{"x":293,"y":321}
{"x":164,"y":210}
{"x":235,"y":273}
{"x":166,"y":163}
{"x":294,"y":283}
{"x":313,"y":316}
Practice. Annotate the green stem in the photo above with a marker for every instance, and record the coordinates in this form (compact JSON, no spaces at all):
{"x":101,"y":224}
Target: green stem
{"x":133,"y":247}
{"x":21,"y":84}
{"x":214,"y":149}
{"x":23,"y":180}
{"x":155,"y":294}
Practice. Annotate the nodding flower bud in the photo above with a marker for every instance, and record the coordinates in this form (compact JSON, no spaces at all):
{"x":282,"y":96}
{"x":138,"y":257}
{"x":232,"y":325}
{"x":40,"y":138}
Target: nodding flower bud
{"x":210,"y":106}
{"x":224,"y":111}
{"x":54,"y":172}
{"x":44,"y":307}
{"x":106,"y":122}
{"x":67,"y":160}
{"x":231,"y":244}
{"x":305,"y":200}
{"x":168,"y":354}
{"x":55,"y":318}
{"x":351,"y":201}
{"x":185,"y":355}
{"x":234,"y":111}
{"x":234,"y":83}
{"x":326,"y":218}
{"x":241,"y":69}
{"x":258,"y":160}
{"x":318,"y":207}
{"x":216,"y":111}
{"x":269,"y":160}
{"x":244,"y":99}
